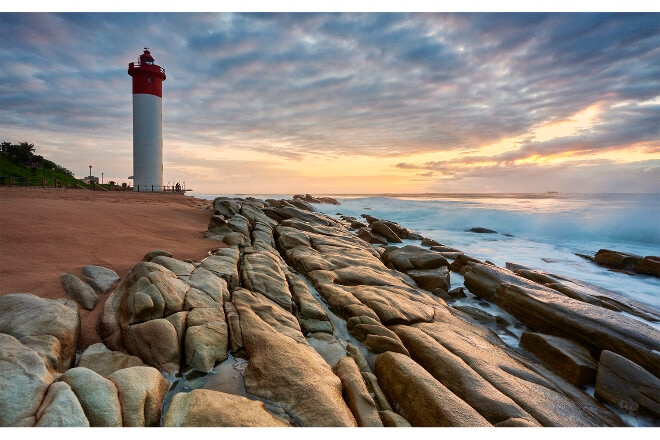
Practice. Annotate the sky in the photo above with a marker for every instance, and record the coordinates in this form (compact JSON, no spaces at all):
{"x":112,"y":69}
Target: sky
{"x":346,"y":103}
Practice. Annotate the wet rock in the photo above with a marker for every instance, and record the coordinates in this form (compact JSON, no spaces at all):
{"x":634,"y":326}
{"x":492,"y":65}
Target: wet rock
{"x":649,"y":265}
{"x":371,"y":237}
{"x":412,"y":257}
{"x":24,"y":380}
{"x":80,"y":291}
{"x":625,"y":384}
{"x":419,"y":397}
{"x":141,"y":393}
{"x":430,"y":279}
{"x":457,"y":292}
{"x":100,"y":278}
{"x":357,"y":395}
{"x":430,"y":242}
{"x":97,"y":395}
{"x":616,"y":259}
{"x":208,"y":408}
{"x":547,"y":311}
{"x":443,"y":248}
{"x":61,"y":408}
{"x":384,"y":230}
{"x":455,"y":374}
{"x":480,"y":230}
{"x":100,"y":359}
{"x":462,"y":262}
{"x":50,"y":327}
{"x":568,"y":359}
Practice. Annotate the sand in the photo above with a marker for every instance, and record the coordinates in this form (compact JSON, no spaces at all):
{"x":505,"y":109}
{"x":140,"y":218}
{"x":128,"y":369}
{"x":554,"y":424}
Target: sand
{"x":45,"y":233}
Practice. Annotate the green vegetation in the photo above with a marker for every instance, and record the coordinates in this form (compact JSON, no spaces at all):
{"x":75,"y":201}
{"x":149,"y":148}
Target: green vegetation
{"x":20,"y":163}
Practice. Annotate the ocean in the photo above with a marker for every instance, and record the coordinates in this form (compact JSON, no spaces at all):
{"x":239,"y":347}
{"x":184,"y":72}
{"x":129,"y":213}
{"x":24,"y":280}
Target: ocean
{"x":541,"y":231}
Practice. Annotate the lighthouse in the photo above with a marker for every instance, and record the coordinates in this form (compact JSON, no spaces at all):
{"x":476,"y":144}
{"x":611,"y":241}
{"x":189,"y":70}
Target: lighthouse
{"x":147,"y":123}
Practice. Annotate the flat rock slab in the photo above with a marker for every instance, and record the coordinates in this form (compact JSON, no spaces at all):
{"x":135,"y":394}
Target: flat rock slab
{"x":628,"y":386}
{"x":568,"y":359}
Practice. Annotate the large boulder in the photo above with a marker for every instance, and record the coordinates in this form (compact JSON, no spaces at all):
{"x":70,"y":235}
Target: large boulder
{"x":51,"y":327}
{"x":384,"y":230}
{"x":61,"y":408}
{"x":24,"y":381}
{"x":208,"y":408}
{"x":262,"y":272}
{"x":625,"y":384}
{"x":97,"y":395}
{"x":419,"y":397}
{"x":412,"y":257}
{"x":100,"y":359}
{"x":207,"y":338}
{"x":141,"y":393}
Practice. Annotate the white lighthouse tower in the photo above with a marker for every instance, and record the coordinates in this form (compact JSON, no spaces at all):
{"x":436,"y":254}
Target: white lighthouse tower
{"x":147,"y":123}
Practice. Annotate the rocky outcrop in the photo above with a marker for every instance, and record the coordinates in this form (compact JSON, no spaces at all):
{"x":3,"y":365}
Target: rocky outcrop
{"x":545,"y":310}
{"x":298,"y":321}
{"x":649,"y":265}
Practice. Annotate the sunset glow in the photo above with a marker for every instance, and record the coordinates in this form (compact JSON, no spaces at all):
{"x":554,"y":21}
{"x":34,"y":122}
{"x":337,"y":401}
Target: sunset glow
{"x":347,"y":103}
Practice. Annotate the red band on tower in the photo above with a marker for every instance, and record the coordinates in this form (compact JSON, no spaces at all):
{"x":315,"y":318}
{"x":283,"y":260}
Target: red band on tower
{"x":147,"y":77}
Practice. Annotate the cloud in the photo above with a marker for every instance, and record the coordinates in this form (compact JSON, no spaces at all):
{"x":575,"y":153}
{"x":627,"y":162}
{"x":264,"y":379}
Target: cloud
{"x":294,"y":86}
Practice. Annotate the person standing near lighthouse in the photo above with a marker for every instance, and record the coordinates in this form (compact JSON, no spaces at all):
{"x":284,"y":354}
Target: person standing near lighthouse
{"x":147,"y":123}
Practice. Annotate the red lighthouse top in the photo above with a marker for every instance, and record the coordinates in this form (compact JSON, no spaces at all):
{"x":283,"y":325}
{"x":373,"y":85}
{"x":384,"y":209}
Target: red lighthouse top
{"x":147,"y":77}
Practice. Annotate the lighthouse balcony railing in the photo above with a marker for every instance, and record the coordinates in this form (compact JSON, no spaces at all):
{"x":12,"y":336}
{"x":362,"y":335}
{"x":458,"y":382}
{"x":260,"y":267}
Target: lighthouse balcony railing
{"x":138,"y":64}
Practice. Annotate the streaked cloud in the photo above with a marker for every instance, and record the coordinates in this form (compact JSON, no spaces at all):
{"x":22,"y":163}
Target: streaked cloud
{"x":447,"y":101}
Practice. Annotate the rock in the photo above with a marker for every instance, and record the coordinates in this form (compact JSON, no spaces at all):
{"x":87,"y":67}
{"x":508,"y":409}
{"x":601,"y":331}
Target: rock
{"x":480,"y":230}
{"x":156,"y":342}
{"x":545,"y":310}
{"x":381,"y":344}
{"x":430,"y":242}
{"x":412,"y":257}
{"x":625,"y":384}
{"x":371,"y":237}
{"x":155,"y":253}
{"x":462,"y":262}
{"x":566,"y":358}
{"x":548,"y":399}
{"x":207,"y":338}
{"x":359,"y":401}
{"x":224,"y":263}
{"x":50,"y":327}
{"x":455,"y":374}
{"x":141,"y":393}
{"x":615,"y":259}
{"x":457,"y":292}
{"x":649,"y":265}
{"x":24,"y":380}
{"x":381,"y":228}
{"x":393,"y":420}
{"x":430,"y":279}
{"x":100,"y":278}
{"x":97,"y":396}
{"x":61,"y":408}
{"x":443,"y":248}
{"x":421,"y":399}
{"x":100,"y":359}
{"x":178,"y":267}
{"x":80,"y":291}
{"x":214,"y":286}
{"x":262,"y":272}
{"x":283,"y":370}
{"x":208,"y":408}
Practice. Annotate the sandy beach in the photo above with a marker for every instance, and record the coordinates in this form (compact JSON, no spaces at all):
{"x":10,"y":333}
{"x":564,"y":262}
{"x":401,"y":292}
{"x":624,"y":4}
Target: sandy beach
{"x":45,"y":233}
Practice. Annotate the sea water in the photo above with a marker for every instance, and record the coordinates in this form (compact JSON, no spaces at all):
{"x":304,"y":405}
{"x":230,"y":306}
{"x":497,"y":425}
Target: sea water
{"x":542,"y":231}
